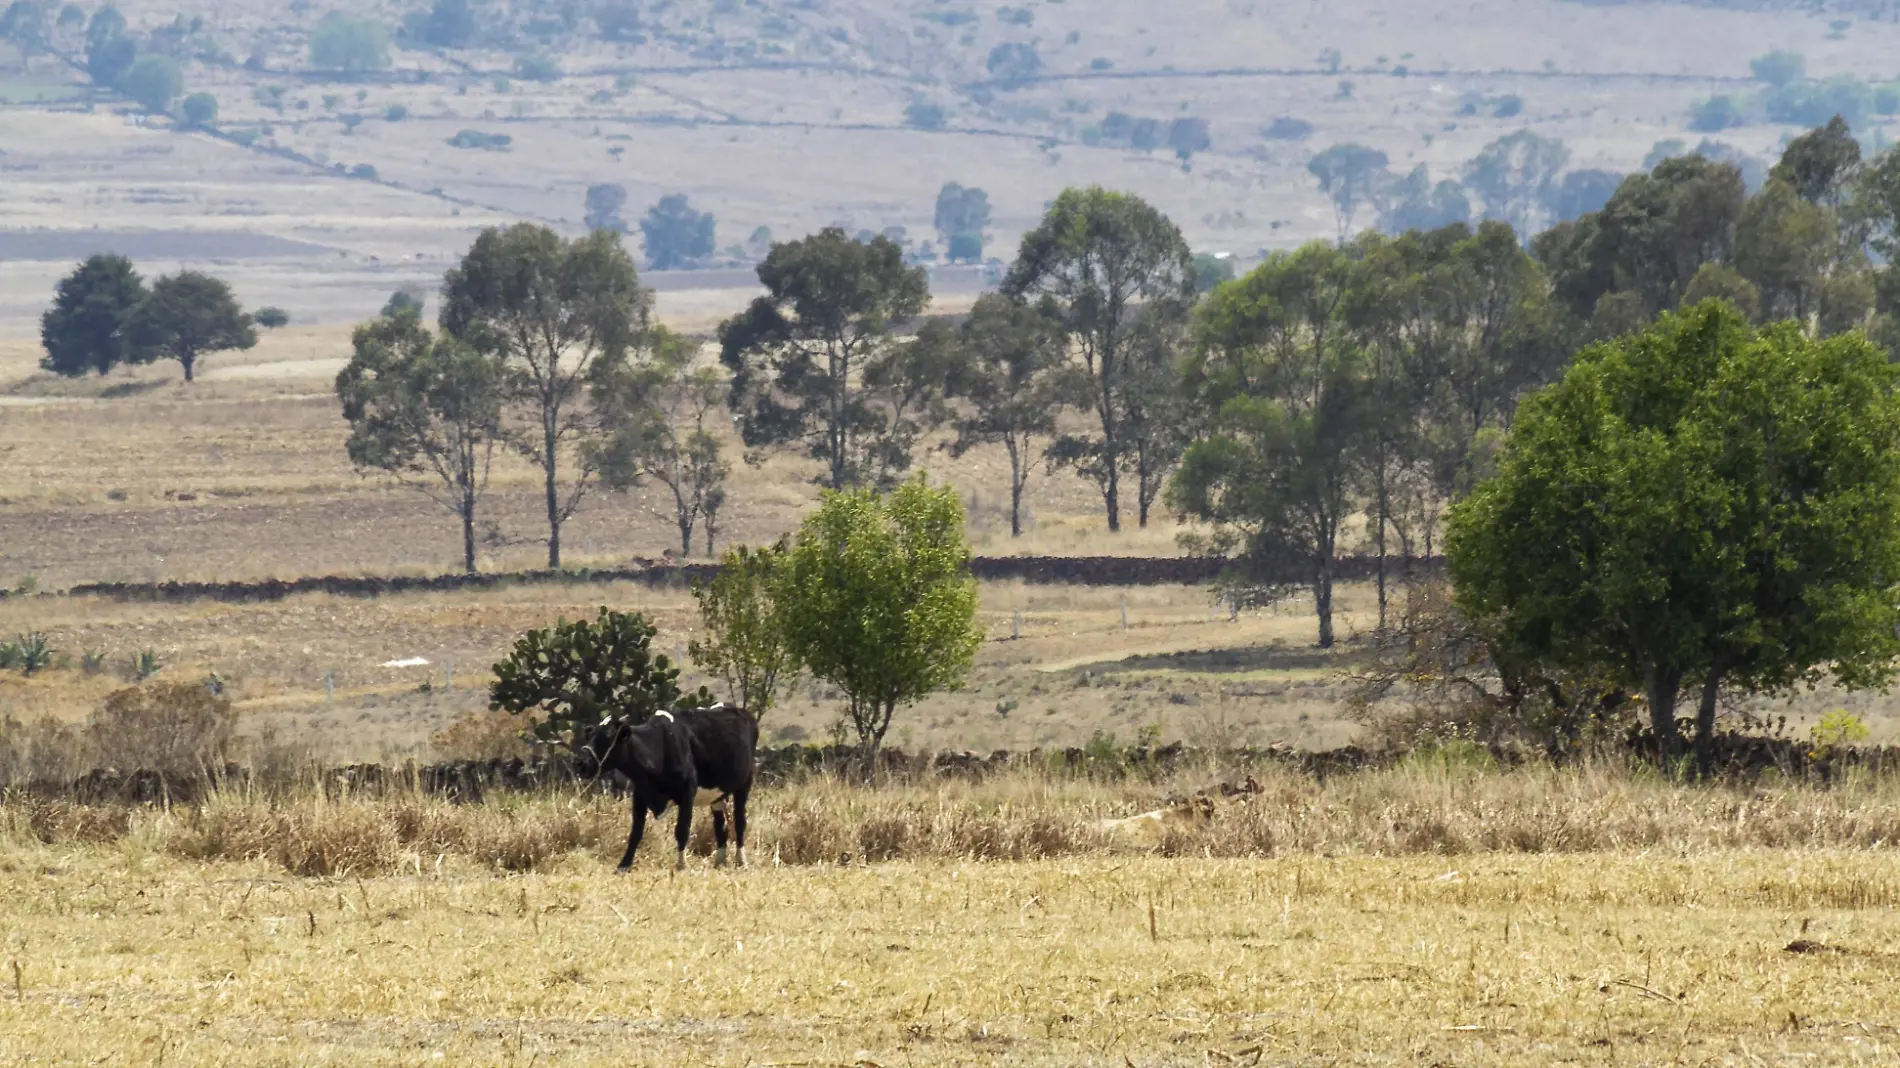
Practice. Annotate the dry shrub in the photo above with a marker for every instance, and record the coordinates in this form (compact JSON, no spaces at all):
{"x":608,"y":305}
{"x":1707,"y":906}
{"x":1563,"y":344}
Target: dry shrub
{"x":527,"y":840}
{"x":806,"y":834}
{"x":57,"y":822}
{"x":482,"y":734}
{"x":884,"y":837}
{"x":178,"y":729}
{"x":43,"y":750}
{"x":337,"y":839}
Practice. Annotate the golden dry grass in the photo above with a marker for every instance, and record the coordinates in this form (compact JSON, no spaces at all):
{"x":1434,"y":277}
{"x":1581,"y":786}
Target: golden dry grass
{"x":1670,"y":927}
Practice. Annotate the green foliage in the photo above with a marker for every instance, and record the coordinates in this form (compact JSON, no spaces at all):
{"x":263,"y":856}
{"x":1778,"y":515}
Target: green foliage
{"x":1672,"y":512}
{"x":395,"y":112}
{"x":875,"y":597}
{"x":560,"y":316}
{"x":661,"y":413}
{"x":1415,"y":203}
{"x":1778,"y":68}
{"x":490,"y":142}
{"x":185,"y":317}
{"x":401,"y":303}
{"x":1838,"y":729}
{"x":1822,"y":164}
{"x":576,"y":674}
{"x":354,"y":46}
{"x":962,"y":213}
{"x":32,"y":653}
{"x":1120,"y":280}
{"x":449,"y":24}
{"x":110,"y":50}
{"x":199,"y":109}
{"x":84,"y":330}
{"x":1813,"y":103}
{"x":1514,"y":176}
{"x":1287,"y":128}
{"x":604,"y":203}
{"x":1013,"y":62}
{"x":745,"y":638}
{"x":1188,"y":136}
{"x":271,"y":318}
{"x":153,"y":82}
{"x":144,"y":664}
{"x":1211,"y":271}
{"x":816,"y":363}
{"x":1349,"y":175}
{"x":1715,"y":114}
{"x":426,"y":410}
{"x":676,"y":235}
{"x":1015,"y":374}
{"x":924,"y":115}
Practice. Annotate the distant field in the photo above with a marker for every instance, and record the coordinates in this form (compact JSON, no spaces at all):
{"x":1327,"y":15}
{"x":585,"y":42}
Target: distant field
{"x":793,"y":118}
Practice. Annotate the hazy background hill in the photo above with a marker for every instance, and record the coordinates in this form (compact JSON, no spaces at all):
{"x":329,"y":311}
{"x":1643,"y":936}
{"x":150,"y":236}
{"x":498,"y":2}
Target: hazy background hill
{"x":332,"y":186}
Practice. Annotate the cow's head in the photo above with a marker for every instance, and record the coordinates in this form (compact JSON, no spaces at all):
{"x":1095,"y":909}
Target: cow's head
{"x":594,"y":746}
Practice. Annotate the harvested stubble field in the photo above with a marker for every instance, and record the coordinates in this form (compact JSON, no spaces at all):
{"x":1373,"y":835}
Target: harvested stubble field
{"x":1436,"y":913}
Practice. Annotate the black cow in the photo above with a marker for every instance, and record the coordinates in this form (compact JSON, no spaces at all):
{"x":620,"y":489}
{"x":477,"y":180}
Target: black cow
{"x":696,"y":756}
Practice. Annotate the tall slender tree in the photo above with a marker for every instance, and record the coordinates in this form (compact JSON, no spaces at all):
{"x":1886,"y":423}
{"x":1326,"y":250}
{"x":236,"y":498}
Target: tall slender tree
{"x":561,"y":316}
{"x":1017,"y":380}
{"x":1104,"y":264}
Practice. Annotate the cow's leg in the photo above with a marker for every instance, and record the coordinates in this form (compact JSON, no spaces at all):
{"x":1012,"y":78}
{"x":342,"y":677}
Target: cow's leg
{"x":738,"y":823}
{"x":682,"y":832}
{"x":719,"y":832}
{"x":639,"y":829}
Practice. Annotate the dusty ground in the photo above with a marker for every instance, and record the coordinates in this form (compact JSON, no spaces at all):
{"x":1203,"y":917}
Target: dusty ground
{"x":117,"y":955}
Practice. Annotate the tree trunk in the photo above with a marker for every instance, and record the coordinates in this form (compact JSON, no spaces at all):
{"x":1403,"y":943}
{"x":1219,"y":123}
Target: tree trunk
{"x":1323,"y":601}
{"x":1112,"y":497}
{"x":1705,"y":724}
{"x":1015,"y":488}
{"x":1661,"y":688}
{"x":554,"y":501}
{"x":686,"y":532}
{"x":1379,"y":537}
{"x":188,"y":359}
{"x":468,"y":535}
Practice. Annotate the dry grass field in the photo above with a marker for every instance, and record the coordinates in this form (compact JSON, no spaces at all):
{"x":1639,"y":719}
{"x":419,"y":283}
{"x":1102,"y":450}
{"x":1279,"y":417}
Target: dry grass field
{"x":1434,"y":914}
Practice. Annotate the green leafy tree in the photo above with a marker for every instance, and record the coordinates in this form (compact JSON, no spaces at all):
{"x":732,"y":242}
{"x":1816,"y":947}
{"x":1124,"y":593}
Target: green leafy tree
{"x":85,"y":329}
{"x":744,"y":642}
{"x":677,"y":235}
{"x":110,"y":50}
{"x":962,"y":216}
{"x":1281,"y":378}
{"x":1778,"y":68}
{"x":1013,"y":63}
{"x":605,"y":201}
{"x":153,"y":82}
{"x":450,"y":24}
{"x":1822,"y":164}
{"x":561,"y":315}
{"x":661,"y":413}
{"x":426,"y":410}
{"x":200,"y":109}
{"x":271,"y":318}
{"x":1188,"y":136}
{"x":1516,"y":175}
{"x":1785,"y":247}
{"x":577,"y":673}
{"x":1017,"y":381}
{"x":353,"y":46}
{"x":185,"y":317}
{"x":1105,"y":265}
{"x":1211,"y":271}
{"x":400,"y":303}
{"x":924,"y":115}
{"x":25,"y":24}
{"x":1716,"y":114}
{"x":1697,"y":505}
{"x":816,"y":362}
{"x":875,"y":597}
{"x":1415,"y":203}
{"x":1351,"y":176}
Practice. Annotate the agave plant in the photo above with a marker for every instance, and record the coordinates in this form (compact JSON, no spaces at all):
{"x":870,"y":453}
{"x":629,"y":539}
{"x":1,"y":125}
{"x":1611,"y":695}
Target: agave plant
{"x":34,"y":651}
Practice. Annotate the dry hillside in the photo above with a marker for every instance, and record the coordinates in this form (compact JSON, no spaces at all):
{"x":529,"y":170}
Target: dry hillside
{"x":794,"y":115}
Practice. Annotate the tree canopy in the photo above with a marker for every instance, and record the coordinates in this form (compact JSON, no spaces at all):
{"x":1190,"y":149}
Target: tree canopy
{"x":875,"y":597}
{"x":351,"y":45}
{"x":85,"y":329}
{"x":676,"y":234}
{"x":816,"y":363}
{"x":185,"y":317}
{"x":1696,"y":504}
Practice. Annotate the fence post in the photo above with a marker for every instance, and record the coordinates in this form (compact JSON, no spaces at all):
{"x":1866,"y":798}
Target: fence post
{"x":329,"y":687}
{"x":1016,"y":625}
{"x":1233,"y":607}
{"x":1124,"y":611}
